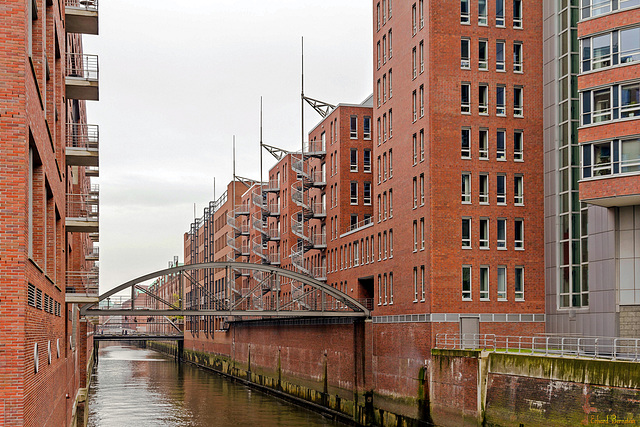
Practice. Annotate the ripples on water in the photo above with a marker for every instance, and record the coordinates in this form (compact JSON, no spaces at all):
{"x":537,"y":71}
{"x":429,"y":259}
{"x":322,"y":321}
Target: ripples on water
{"x":139,"y":388}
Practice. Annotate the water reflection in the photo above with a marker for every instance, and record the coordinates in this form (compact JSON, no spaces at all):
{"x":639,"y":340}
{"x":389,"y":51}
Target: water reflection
{"x":137,"y":387}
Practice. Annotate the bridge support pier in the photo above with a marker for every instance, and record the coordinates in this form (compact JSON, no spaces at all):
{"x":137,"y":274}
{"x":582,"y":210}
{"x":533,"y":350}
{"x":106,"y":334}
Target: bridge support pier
{"x":96,"y":347}
{"x":180,"y":350}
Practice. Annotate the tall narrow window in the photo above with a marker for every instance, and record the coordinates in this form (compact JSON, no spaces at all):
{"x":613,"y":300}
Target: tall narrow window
{"x":517,"y":13}
{"x":390,"y":84}
{"x":518,"y":233}
{"x":483,"y":99}
{"x":421,"y":54}
{"x":421,"y":12}
{"x":390,"y":203}
{"x":415,"y":236}
{"x":384,"y":49}
{"x":378,"y":16}
{"x":367,"y":127}
{"x":464,"y":12}
{"x":484,"y":189}
{"x":367,"y":193}
{"x":421,"y":100}
{"x":415,"y":192}
{"x":384,"y":88}
{"x":415,"y":106}
{"x":415,"y":284}
{"x":502,"y":233}
{"x":354,"y":127}
{"x":483,"y":143}
{"x":466,"y":233}
{"x":465,"y":98}
{"x":389,"y":8}
{"x":518,"y":146}
{"x":500,"y":144}
{"x":390,"y":234}
{"x":390,"y":44}
{"x":500,"y":56}
{"x":366,"y":161}
{"x":354,"y":160}
{"x":499,"y":13}
{"x":390,"y":123}
{"x":466,"y":187}
{"x":421,"y":234}
{"x":466,"y":282}
{"x":465,"y":141}
{"x":421,"y":145}
{"x":500,"y":190}
{"x":500,"y":107}
{"x":354,"y":193}
{"x":518,"y":190}
{"x":483,"y":55}
{"x":414,"y":19}
{"x":517,"y":101}
{"x":484,"y":282}
{"x":482,"y":12}
{"x":484,"y":233}
{"x":519,"y":283}
{"x":517,"y":57}
{"x":422,"y":290}
{"x":414,"y":63}
{"x":465,"y":62}
{"x":391,"y":163}
{"x":502,"y":282}
{"x":415,"y":149}
{"x":421,"y":189}
{"x":379,"y":55}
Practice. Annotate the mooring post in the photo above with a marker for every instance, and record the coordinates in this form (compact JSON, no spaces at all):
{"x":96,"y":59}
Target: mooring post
{"x":180,"y":350}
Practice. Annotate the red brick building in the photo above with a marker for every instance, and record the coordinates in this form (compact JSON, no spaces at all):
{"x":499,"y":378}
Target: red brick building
{"x":48,"y":210}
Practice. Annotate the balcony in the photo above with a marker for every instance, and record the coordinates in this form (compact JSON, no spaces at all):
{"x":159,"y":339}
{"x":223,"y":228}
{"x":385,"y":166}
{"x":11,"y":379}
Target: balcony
{"x":92,"y":171}
{"x":317,"y":179}
{"x":81,"y":16}
{"x":81,"y":79}
{"x":315,"y":149}
{"x":93,"y":254}
{"x":319,"y":273}
{"x":82,"y":286}
{"x":319,"y":241}
{"x":82,"y":145}
{"x":82,"y":213}
{"x":273,"y":186}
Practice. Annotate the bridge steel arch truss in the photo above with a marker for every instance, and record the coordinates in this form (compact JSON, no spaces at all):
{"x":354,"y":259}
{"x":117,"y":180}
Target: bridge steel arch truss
{"x":267,"y":291}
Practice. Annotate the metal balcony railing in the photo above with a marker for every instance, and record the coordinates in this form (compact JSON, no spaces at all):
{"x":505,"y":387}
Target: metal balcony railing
{"x":83,"y":206}
{"x":82,"y":136}
{"x":300,"y":229}
{"x":319,"y":273}
{"x":318,"y":210}
{"x":299,"y":166}
{"x":259,"y":200}
{"x":91,"y":5}
{"x":93,"y":252}
{"x":314,"y":148}
{"x":274,"y":209}
{"x":82,"y":66}
{"x":299,"y":196}
{"x":259,"y":249}
{"x":318,"y":178}
{"x":562,"y":346}
{"x":274,"y":234}
{"x":272,"y":186}
{"x":274,"y":258}
{"x":319,"y":240}
{"x":259,"y":224}
{"x":82,"y":282}
{"x":364,"y":223}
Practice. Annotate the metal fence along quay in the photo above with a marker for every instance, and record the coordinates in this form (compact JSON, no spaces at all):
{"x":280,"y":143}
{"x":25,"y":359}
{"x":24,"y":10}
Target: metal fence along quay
{"x":610,"y":348}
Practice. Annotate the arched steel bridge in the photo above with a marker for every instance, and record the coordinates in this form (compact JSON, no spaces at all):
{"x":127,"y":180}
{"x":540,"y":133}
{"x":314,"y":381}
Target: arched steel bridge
{"x":250,"y":290}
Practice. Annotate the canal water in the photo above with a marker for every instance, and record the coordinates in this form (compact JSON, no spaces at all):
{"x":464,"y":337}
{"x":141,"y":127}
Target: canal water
{"x":139,"y":387}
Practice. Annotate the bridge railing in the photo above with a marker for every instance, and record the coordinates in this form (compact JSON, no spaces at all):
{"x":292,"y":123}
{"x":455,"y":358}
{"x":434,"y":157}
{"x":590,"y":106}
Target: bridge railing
{"x":613,"y":348}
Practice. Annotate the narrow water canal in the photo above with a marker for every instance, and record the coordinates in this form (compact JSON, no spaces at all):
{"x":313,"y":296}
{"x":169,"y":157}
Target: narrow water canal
{"x":137,"y":387}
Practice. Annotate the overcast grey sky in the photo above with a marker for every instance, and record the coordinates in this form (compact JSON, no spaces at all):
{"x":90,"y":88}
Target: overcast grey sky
{"x":178,"y":79}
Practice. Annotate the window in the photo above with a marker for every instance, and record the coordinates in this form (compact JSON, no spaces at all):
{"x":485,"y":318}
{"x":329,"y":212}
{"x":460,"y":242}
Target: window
{"x":390,"y":163}
{"x":500,"y":56}
{"x":389,"y":8}
{"x":354,"y":127}
{"x":519,"y":282}
{"x":390,"y":44}
{"x":390,"y":123}
{"x":517,"y":57}
{"x":390,"y":203}
{"x":379,"y":171}
{"x":484,"y":233}
{"x":500,"y":144}
{"x":367,"y":193}
{"x":466,"y":187}
{"x":421,"y":189}
{"x":414,"y":63}
{"x":517,"y":101}
{"x":483,"y":54}
{"x":518,"y":190}
{"x":379,"y":55}
{"x":384,"y":166}
{"x":354,"y":160}
{"x":415,"y":149}
{"x":630,"y":100}
{"x":500,"y":107}
{"x":354,"y":193}
{"x":366,"y":134}
{"x":390,"y":85}
{"x":421,"y":234}
{"x":415,"y":106}
{"x":519,"y":233}
{"x":502,"y":282}
{"x":466,"y":233}
{"x":391,"y":288}
{"x":415,"y":284}
{"x":379,"y":132}
{"x":415,"y":236}
{"x":483,"y":144}
{"x":384,"y":127}
{"x":501,"y":227}
{"x":629,"y":44}
{"x":379,"y":92}
{"x":414,"y":19}
{"x":384,"y":49}
{"x":517,"y":13}
{"x":378,"y":20}
{"x":595,"y":7}
{"x":379,"y":289}
{"x":482,"y":12}
{"x":466,"y":282}
{"x":484,"y":282}
{"x":483,"y":99}
{"x":517,"y":146}
{"x":421,"y":145}
{"x":421,"y":10}
{"x":501,"y":197}
{"x":484,"y":189}
{"x":465,"y":151}
{"x":465,"y":98}
{"x":415,"y":192}
{"x":465,"y":61}
{"x":421,"y":100}
{"x":366,"y":161}
{"x":384,"y":88}
{"x":499,"y":13}
{"x":390,"y":238}
{"x":422,"y":290}
{"x":421,"y":56}
{"x":464,"y":12}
